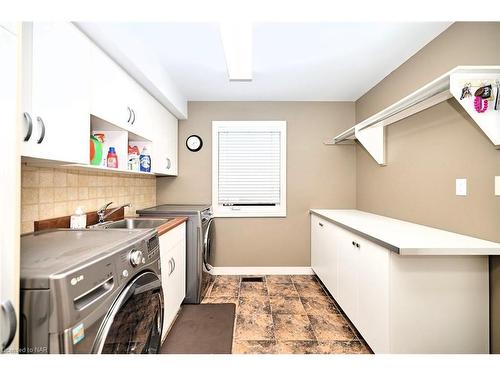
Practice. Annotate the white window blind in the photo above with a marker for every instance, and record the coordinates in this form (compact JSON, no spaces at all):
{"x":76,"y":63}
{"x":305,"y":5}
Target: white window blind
{"x":249,"y":168}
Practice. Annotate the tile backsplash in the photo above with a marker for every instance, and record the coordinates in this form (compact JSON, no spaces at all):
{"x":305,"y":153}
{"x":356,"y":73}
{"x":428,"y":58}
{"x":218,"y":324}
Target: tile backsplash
{"x":53,"y":192}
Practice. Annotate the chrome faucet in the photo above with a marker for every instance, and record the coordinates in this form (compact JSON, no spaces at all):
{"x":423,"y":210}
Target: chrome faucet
{"x":101,"y":212}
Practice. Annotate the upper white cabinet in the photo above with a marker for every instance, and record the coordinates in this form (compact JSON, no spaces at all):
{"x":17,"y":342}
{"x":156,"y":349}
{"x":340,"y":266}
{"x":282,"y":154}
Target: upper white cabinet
{"x":56,"y":92}
{"x":117,"y":98}
{"x":165,"y":128}
{"x":66,"y":78}
{"x":121,"y":101}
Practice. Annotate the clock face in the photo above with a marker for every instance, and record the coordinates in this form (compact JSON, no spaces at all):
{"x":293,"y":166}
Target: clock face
{"x":194,"y":143}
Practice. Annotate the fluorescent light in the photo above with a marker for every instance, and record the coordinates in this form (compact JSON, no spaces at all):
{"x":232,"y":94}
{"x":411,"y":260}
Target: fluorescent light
{"x":237,"y":43}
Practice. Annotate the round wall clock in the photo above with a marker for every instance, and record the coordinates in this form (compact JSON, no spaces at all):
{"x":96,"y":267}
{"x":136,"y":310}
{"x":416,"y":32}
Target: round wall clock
{"x":194,"y":143}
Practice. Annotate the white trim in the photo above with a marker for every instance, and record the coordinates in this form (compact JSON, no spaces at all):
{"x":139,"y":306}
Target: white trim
{"x":218,"y":211}
{"x":262,"y":271}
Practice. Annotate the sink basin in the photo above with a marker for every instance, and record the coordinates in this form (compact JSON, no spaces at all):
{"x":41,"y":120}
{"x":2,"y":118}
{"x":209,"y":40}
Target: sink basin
{"x":134,"y":223}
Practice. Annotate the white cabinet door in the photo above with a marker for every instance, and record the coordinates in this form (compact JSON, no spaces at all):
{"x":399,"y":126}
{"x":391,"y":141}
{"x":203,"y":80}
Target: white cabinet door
{"x":111,"y":90}
{"x":118,"y":99}
{"x":165,"y":141}
{"x":9,"y":189}
{"x":56,"y":92}
{"x":373,"y":295}
{"x":324,"y":253}
{"x":173,"y":273}
{"x":348,"y":257}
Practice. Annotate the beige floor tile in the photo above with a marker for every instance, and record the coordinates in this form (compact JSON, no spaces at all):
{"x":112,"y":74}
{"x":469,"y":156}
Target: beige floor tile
{"x":250,"y":289}
{"x":303,"y":278}
{"x":331,"y":327}
{"x":287,"y":305}
{"x":254,"y":305}
{"x":254,"y":327}
{"x":341,"y":347}
{"x":292,"y":327}
{"x":223,"y":290}
{"x":297,"y":347}
{"x":318,"y":305}
{"x":228,"y":280}
{"x":309,"y":289}
{"x":254,"y":347}
{"x":278,"y":279}
{"x":285,"y":290}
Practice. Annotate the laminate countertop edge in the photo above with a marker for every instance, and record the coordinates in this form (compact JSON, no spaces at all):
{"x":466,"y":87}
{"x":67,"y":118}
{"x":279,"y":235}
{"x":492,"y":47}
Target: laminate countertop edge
{"x":388,"y":246}
{"x":437,"y":241}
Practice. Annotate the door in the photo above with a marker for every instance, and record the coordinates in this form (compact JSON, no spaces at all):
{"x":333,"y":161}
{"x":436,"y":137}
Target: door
{"x":208,"y":230}
{"x":320,"y":253}
{"x":10,"y":188}
{"x":56,"y":92}
{"x":111,"y":90}
{"x":348,"y":267}
{"x":165,"y":141}
{"x":135,"y":322}
{"x":373,"y":295}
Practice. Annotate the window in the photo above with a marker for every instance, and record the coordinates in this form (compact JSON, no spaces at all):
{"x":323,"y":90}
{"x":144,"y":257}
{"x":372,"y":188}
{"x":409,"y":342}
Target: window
{"x":249,"y":168}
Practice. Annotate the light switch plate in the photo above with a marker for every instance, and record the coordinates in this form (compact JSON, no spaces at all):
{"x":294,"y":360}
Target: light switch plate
{"x":461,"y":187}
{"x":497,"y":185}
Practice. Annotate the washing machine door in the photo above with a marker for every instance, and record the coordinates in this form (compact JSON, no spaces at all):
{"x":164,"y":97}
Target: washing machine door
{"x":134,"y":323}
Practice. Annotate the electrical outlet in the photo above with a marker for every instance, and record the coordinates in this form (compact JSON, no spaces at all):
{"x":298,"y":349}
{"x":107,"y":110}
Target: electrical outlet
{"x":497,"y":185}
{"x":461,"y":187}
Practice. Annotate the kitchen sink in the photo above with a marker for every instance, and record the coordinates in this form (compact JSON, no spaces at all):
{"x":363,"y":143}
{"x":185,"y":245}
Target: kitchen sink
{"x":132,"y":223}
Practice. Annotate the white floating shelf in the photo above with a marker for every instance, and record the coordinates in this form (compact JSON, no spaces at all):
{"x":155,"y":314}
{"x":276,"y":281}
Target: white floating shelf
{"x":371,"y":134}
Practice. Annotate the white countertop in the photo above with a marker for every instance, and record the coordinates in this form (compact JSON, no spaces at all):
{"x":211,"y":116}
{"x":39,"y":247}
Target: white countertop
{"x":408,"y":238}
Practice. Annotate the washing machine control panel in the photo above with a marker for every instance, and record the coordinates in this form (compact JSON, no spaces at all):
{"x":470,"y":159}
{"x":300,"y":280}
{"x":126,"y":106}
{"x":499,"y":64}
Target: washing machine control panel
{"x":135,"y":257}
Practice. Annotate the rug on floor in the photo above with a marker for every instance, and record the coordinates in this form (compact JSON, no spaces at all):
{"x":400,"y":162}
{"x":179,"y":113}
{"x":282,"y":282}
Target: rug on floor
{"x":202,"y":329}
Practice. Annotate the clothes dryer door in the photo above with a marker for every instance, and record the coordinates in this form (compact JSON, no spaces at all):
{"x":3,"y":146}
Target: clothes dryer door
{"x":208,"y":237}
{"x":135,"y":321}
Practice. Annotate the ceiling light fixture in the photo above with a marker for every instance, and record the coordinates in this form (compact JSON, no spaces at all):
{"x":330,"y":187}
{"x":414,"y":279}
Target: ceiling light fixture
{"x":237,"y":44}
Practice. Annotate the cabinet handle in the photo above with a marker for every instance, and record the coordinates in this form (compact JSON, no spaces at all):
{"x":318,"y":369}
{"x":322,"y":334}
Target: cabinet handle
{"x":133,"y":113}
{"x":30,"y":126}
{"x":129,"y":114}
{"x":353,"y":243}
{"x":357,"y":245}
{"x":173,"y":261}
{"x":169,"y":267}
{"x":320,"y":224}
{"x":42,"y":135}
{"x":169,"y":163}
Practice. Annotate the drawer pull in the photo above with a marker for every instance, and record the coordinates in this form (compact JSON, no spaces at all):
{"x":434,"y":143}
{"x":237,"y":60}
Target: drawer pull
{"x":320,"y":224}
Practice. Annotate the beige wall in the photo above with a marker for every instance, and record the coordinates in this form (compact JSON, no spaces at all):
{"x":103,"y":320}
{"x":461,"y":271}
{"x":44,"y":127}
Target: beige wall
{"x":53,"y":192}
{"x":428,"y":151}
{"x":317,"y":176}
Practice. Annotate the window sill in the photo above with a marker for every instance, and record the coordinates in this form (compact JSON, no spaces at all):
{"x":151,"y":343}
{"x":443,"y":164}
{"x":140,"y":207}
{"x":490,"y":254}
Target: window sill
{"x":241,"y":214}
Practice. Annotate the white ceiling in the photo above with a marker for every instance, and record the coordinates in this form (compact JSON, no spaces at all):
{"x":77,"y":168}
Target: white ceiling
{"x":291,"y":61}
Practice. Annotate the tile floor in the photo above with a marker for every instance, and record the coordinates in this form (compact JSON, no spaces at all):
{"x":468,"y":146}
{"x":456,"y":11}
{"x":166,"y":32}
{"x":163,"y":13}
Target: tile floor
{"x":285,"y":315}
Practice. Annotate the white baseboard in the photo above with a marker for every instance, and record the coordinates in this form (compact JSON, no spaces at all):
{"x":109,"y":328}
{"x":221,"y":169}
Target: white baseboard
{"x":262,"y":271}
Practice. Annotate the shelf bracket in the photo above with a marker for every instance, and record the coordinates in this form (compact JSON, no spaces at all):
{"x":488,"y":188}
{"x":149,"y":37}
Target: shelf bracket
{"x":373,"y":140}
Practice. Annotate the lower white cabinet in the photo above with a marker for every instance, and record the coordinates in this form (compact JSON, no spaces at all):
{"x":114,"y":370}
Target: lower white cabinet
{"x":173,"y":273}
{"x":403,"y":303}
